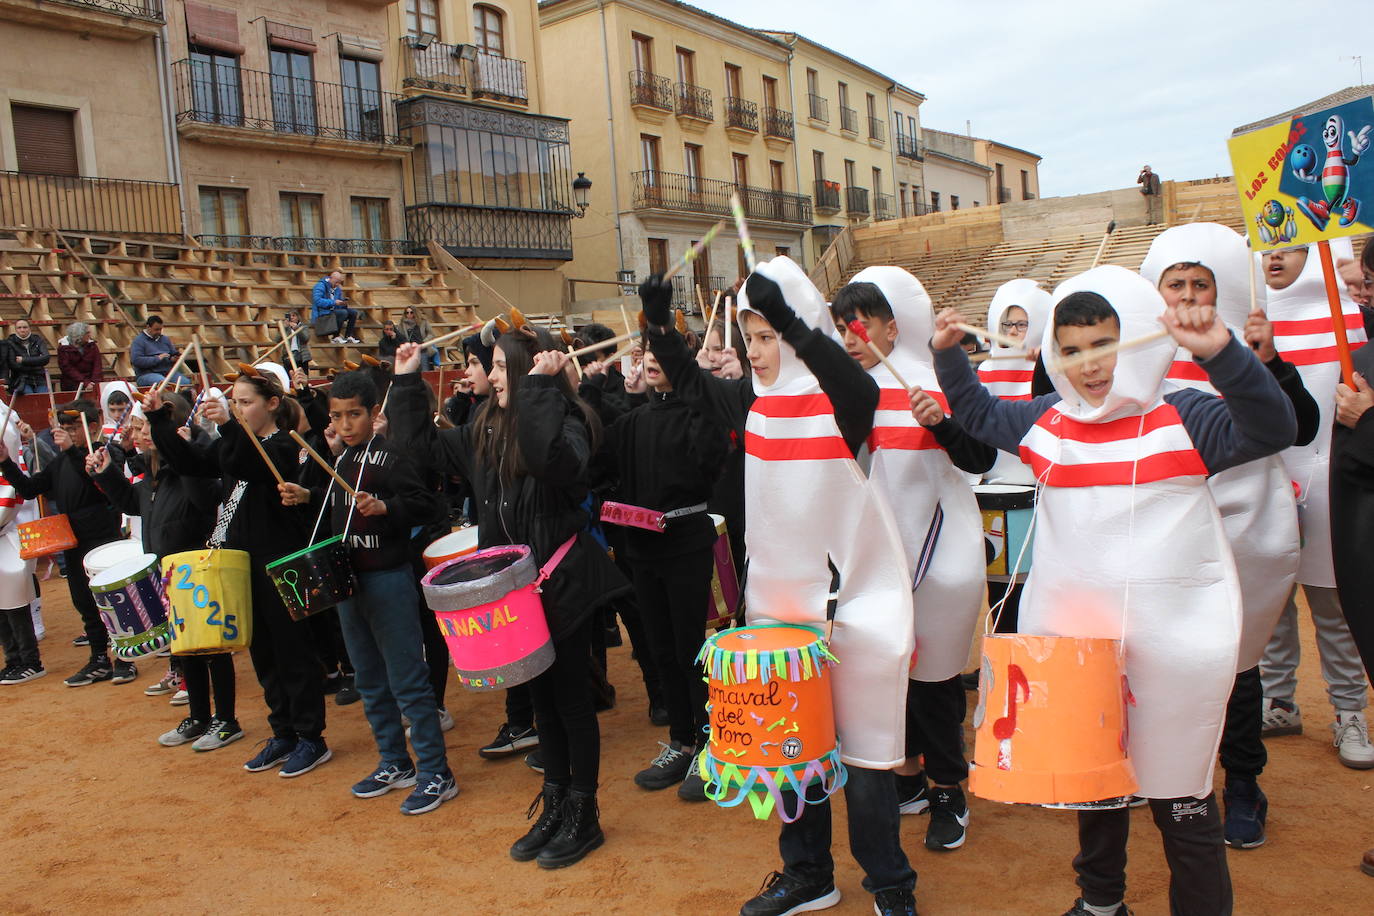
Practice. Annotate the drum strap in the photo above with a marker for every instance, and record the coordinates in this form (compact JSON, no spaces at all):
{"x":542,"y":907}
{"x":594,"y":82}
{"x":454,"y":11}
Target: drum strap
{"x":937,"y":522}
{"x":547,"y":569}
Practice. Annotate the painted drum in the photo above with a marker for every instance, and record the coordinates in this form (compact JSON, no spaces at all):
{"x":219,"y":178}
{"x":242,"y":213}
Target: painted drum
{"x":724,"y":580}
{"x":101,"y":558}
{"x":1007,"y":511}
{"x":133,"y":605}
{"x":45,"y":536}
{"x":314,"y":579}
{"x":211,"y":599}
{"x":459,"y":543}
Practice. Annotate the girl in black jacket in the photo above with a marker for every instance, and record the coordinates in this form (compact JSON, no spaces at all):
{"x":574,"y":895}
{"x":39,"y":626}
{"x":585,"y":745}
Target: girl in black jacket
{"x":250,"y":517}
{"x":527,"y":454}
{"x":177,"y":514}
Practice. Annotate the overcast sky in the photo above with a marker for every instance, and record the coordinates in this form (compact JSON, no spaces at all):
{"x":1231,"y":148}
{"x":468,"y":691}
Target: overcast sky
{"x":1096,"y":88}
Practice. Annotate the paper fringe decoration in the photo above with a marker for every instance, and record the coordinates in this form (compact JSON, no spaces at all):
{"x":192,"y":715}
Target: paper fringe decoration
{"x":734,"y":667}
{"x":764,"y":787}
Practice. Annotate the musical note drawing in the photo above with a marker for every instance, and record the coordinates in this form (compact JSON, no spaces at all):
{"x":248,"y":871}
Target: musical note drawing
{"x":1005,"y":727}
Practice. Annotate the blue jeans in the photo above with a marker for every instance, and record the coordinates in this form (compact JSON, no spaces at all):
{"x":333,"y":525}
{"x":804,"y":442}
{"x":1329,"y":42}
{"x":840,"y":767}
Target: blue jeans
{"x":29,"y":385}
{"x":381,"y":628}
{"x":145,"y":379}
{"x":875,"y":837}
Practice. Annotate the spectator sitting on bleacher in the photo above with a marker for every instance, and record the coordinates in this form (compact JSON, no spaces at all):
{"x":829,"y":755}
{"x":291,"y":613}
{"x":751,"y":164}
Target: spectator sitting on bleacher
{"x":26,"y":353}
{"x":389,"y":342}
{"x":78,"y":356}
{"x":153,"y":355}
{"x":300,"y":340}
{"x":328,"y":300}
{"x":415,"y":329}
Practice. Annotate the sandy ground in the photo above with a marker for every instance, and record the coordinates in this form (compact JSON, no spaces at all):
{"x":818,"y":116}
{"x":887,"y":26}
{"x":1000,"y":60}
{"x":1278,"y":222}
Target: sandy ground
{"x":99,"y":815}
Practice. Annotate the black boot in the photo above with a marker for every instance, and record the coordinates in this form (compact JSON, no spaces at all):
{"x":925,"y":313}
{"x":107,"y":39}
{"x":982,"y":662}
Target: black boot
{"x":578,"y":835}
{"x":553,"y":798}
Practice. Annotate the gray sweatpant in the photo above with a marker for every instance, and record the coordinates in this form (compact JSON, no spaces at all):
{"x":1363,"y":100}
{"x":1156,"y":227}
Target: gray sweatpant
{"x":1342,"y":668}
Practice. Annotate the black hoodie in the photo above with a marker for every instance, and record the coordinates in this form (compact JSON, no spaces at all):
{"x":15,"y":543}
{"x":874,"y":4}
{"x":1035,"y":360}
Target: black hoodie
{"x":93,"y":519}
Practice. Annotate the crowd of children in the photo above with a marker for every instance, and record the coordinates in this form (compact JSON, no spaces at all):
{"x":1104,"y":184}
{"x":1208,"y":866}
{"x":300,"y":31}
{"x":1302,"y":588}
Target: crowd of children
{"x":1185,"y":482}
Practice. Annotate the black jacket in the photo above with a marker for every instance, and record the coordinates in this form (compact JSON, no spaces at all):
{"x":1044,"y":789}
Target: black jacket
{"x":94,"y":521}
{"x":382,"y":541}
{"x":542,"y":508}
{"x":1352,"y":518}
{"x":178,"y":512}
{"x":32,"y":355}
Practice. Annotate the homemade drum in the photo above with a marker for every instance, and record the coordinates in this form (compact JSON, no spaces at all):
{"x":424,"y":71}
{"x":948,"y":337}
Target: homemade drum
{"x":460,"y":543}
{"x":491,"y":616}
{"x":1007,"y":512}
{"x":772,"y":719}
{"x":724,"y":580}
{"x":133,"y":604}
{"x":211,"y":599}
{"x":45,"y":536}
{"x":101,"y":558}
{"x":314,"y":579}
{"x":1051,"y":721}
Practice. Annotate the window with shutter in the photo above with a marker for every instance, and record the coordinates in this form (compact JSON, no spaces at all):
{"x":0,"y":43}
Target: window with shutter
{"x":213,"y":28}
{"x":45,"y":140}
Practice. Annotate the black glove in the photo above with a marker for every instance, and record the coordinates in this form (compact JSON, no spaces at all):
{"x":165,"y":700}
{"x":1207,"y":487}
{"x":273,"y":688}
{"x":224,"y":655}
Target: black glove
{"x":765,"y":297}
{"x":656,"y":294}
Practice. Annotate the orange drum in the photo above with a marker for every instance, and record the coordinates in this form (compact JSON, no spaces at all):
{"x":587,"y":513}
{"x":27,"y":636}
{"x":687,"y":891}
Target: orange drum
{"x":772,"y":719}
{"x":45,"y":536}
{"x":1051,"y":722}
{"x":455,"y":544}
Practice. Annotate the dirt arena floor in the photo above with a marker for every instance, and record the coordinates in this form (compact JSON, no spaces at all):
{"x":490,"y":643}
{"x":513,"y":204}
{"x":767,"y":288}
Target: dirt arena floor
{"x":98,"y":815}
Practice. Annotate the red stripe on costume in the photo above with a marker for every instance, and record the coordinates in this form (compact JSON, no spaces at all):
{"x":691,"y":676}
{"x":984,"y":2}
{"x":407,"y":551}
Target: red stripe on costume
{"x":823,"y":448}
{"x":1112,"y":430}
{"x":1187,"y":370}
{"x":1315,"y":325}
{"x":897,"y":399}
{"x":785,"y":406}
{"x":1006,"y":375}
{"x":1318,"y":355}
{"x":908,"y":438}
{"x":1186,"y":463}
{"x":7,"y":501}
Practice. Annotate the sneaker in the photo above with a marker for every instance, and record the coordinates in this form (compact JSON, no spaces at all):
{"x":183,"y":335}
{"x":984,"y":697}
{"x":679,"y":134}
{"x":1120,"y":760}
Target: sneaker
{"x":189,"y":730}
{"x":274,"y":751}
{"x":948,"y":819}
{"x":445,"y":722}
{"x":896,"y":902}
{"x":913,"y":793}
{"x":219,"y":734}
{"x":1080,"y":908}
{"x":22,"y":674}
{"x":1281,"y":717}
{"x":387,"y":777}
{"x":668,"y":769}
{"x":693,"y":788}
{"x":1246,"y":809}
{"x":180,"y":698}
{"x":97,"y":669}
{"x":170,"y":683}
{"x":123,"y":672}
{"x":783,"y":895}
{"x":332,"y":682}
{"x":348,"y":693}
{"x":509,"y":741}
{"x":81,"y":640}
{"x":1352,"y":740}
{"x":308,"y":754}
{"x":534,"y":761}
{"x":658,"y":716}
{"x":338,"y":340}
{"x":439,"y":789}
{"x":352,"y":340}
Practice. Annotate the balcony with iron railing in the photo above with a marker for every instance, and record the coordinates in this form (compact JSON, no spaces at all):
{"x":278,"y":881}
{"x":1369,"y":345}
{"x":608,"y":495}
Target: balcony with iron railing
{"x":884,"y":206}
{"x":741,"y":115}
{"x":229,"y":104}
{"x":777,"y":123}
{"x":310,"y":244}
{"x":693,"y":102}
{"x":684,"y":290}
{"x":462,"y":70}
{"x":116,"y":18}
{"x":849,"y":120}
{"x":89,"y":204}
{"x":1004,"y":195}
{"x":650,"y":91}
{"x":818,"y":107}
{"x":916,"y":208}
{"x":908,"y":148}
{"x":656,"y":190}
{"x":498,"y":78}
{"x":877,"y":130}
{"x":476,"y":232}
{"x":827,"y":196}
{"x":856,"y":201}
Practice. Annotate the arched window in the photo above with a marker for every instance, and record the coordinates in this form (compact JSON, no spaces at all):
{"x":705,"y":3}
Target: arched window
{"x":489,"y":29}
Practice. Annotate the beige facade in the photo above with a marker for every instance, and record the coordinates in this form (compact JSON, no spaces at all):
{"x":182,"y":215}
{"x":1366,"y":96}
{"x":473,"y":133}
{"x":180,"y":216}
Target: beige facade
{"x":955,"y":179}
{"x":1015,"y":173}
{"x":908,"y":159}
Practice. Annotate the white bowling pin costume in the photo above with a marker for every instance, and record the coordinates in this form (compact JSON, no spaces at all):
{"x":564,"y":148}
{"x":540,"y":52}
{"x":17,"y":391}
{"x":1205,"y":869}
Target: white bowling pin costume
{"x":1255,"y":500}
{"x":1010,"y":378}
{"x":809,"y":506}
{"x":16,"y":575}
{"x":915,"y":474}
{"x":1303,"y":335}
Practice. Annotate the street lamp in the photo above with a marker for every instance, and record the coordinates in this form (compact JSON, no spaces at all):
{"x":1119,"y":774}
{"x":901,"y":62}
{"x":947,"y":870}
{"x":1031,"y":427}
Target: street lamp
{"x":581,"y":186}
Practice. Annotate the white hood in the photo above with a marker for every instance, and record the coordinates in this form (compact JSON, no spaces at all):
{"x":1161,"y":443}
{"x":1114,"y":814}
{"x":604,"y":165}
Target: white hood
{"x":1306,"y":298}
{"x":1221,"y":250}
{"x":801,"y":294}
{"x":1028,"y":295}
{"x":915,"y":317}
{"x":1138,"y":380}
{"x":110,"y":388}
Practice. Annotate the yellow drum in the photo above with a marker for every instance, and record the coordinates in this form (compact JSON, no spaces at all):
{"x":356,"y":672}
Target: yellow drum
{"x":211,"y":596}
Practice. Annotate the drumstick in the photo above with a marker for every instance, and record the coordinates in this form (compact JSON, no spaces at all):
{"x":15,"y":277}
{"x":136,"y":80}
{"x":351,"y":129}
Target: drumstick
{"x":600,"y":346}
{"x":324,"y":464}
{"x":86,"y":428}
{"x":253,"y":437}
{"x":988,"y":357}
{"x":4,"y":430}
{"x":277,"y":346}
{"x":712,"y":320}
{"x":993,"y":336}
{"x":200,"y":361}
{"x":625,"y":317}
{"x":445,"y":338}
{"x":695,"y":251}
{"x":861,"y":332}
{"x":181,"y":360}
{"x":1097,"y":258}
{"x":290,"y":353}
{"x":729,"y":324}
{"x":745,"y":240}
{"x":1083,"y":356}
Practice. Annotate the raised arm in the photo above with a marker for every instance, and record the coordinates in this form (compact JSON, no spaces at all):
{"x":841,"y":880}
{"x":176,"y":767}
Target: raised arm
{"x":553,"y":438}
{"x":411,"y":425}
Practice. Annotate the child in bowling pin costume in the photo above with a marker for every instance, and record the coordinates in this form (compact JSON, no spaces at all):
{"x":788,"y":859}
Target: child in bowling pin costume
{"x":1302,"y":334}
{"x":23,"y":663}
{"x":818,"y":534}
{"x":917,"y":465}
{"x":1129,"y":545}
{"x":1206,"y":264}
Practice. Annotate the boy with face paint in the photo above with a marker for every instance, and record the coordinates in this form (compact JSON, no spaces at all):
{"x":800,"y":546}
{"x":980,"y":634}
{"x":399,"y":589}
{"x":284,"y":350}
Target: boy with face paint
{"x":811,"y":517}
{"x":1129,"y":545}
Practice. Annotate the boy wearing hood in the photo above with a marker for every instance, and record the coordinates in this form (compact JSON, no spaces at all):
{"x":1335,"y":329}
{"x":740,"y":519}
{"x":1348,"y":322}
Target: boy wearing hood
{"x":1123,"y":467}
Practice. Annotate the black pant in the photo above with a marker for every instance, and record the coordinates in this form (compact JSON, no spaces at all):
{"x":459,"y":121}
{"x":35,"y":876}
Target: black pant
{"x":286,"y":664}
{"x":18,"y":639}
{"x":632,"y":615}
{"x":1011,"y":611}
{"x":328,"y":639}
{"x":569,"y":735}
{"x":673,"y":596}
{"x":519,"y":707}
{"x":1242,"y":749}
{"x":204,"y":672}
{"x":80,"y":588}
{"x":436,"y":650}
{"x":935,"y":727}
{"x":875,"y":838}
{"x":1199,"y":882}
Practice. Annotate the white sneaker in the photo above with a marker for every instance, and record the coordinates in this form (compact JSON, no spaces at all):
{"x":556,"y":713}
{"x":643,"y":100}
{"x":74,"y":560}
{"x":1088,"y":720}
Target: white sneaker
{"x":180,"y":698}
{"x":337,"y":340}
{"x":1352,"y":740}
{"x":1280,"y":720}
{"x":352,"y":340}
{"x":445,"y":722}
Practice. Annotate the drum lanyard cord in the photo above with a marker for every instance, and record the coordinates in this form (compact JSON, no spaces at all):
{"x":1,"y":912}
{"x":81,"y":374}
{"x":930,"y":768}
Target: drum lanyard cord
{"x":995,"y":612}
{"x":353,"y":505}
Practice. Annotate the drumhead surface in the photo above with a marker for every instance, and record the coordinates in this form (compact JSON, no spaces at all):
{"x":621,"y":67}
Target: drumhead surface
{"x":107,"y":555}
{"x":125,"y":572}
{"x":766,"y":638}
{"x":303,"y":551}
{"x":463,"y":538}
{"x":475,"y":568}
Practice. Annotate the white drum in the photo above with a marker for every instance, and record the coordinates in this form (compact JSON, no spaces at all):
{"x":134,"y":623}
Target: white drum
{"x":455,"y":544}
{"x":107,"y":556}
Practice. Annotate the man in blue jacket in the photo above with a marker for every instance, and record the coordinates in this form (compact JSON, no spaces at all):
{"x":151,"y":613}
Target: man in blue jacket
{"x":328,"y":299}
{"x":153,"y":355}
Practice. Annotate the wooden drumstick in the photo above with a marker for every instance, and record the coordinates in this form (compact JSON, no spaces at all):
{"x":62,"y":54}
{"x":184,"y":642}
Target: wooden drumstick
{"x":324,"y":464}
{"x":712,"y":320}
{"x":277,"y":346}
{"x":86,"y":428}
{"x":861,"y":332}
{"x":993,"y":336}
{"x":445,"y":338}
{"x":695,"y":251}
{"x":290,"y":353}
{"x":181,"y":361}
{"x":253,"y":437}
{"x":600,"y":346}
{"x":52,"y":401}
{"x":1083,"y":356}
{"x":200,"y":361}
